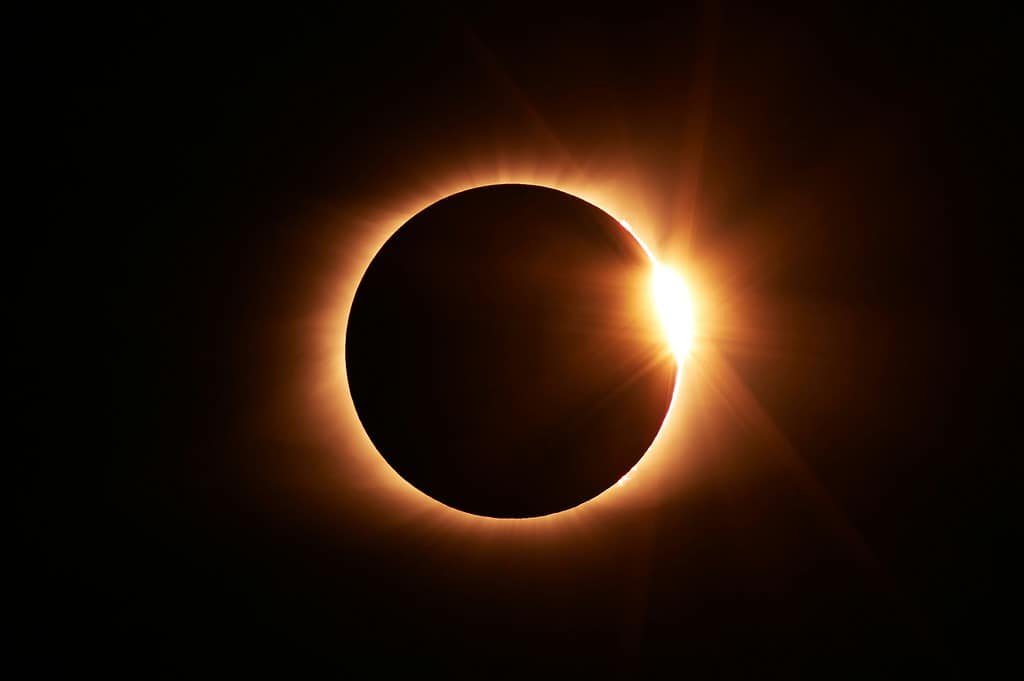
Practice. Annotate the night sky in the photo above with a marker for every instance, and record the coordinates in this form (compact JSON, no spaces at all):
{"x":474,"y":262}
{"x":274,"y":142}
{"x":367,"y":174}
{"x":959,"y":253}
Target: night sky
{"x":820,"y":173}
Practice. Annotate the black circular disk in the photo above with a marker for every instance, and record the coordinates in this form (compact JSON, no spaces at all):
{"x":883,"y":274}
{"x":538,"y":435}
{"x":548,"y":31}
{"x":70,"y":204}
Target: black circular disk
{"x":504,"y":354}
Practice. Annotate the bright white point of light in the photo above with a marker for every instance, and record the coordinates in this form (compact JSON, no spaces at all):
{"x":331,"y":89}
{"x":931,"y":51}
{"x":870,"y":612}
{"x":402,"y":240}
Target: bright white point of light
{"x":675,"y":308}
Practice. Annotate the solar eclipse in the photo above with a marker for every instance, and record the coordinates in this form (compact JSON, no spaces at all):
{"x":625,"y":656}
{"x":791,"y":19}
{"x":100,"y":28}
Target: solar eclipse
{"x":511,"y":350}
{"x":393,"y":375}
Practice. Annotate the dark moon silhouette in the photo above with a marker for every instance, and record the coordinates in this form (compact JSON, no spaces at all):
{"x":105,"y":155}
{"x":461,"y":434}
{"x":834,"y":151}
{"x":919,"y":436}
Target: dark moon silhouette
{"x":504,"y":354}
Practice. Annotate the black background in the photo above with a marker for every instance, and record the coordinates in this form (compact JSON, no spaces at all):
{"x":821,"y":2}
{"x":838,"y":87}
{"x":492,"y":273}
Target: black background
{"x":840,"y":180}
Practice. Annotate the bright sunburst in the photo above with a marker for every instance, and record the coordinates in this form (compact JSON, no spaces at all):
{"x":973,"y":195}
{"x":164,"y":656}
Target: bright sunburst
{"x":675,"y":308}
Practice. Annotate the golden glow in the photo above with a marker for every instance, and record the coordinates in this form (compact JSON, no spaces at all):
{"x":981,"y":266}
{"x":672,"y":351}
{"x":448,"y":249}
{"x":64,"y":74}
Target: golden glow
{"x":359,"y":229}
{"x":675,"y":308}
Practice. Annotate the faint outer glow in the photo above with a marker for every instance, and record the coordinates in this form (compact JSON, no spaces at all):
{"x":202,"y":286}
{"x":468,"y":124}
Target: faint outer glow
{"x":675,"y":308}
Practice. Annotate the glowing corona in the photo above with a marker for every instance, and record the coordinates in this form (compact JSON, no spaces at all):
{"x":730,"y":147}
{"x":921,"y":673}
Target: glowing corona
{"x":671,"y":302}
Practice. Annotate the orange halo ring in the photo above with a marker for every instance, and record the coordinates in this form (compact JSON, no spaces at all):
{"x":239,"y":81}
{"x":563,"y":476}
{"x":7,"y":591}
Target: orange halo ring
{"x":333,"y":401}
